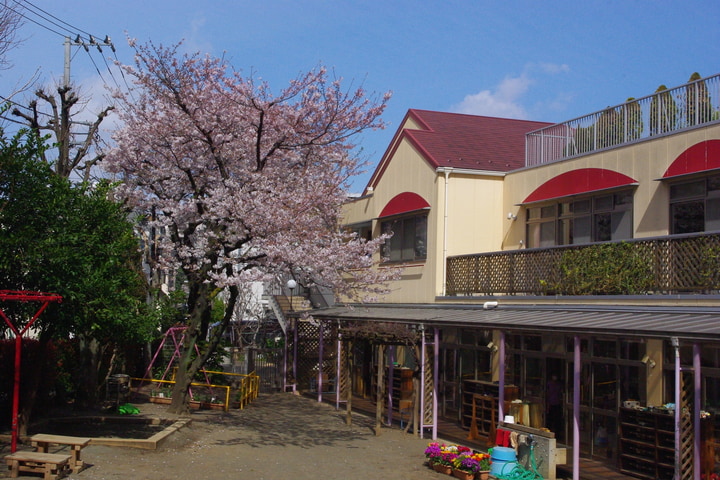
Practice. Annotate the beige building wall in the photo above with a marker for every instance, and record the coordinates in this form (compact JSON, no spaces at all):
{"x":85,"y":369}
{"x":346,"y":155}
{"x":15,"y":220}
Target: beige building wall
{"x":407,"y":172}
{"x":646,"y":162}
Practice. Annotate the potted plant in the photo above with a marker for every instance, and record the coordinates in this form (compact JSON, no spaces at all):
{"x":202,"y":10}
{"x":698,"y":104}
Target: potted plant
{"x":433,"y":452}
{"x":485,"y":463}
{"x":444,"y":463}
{"x":465,"y":466}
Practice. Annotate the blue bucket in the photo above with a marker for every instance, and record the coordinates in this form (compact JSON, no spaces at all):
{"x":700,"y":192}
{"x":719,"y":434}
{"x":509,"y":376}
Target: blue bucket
{"x":504,"y":461}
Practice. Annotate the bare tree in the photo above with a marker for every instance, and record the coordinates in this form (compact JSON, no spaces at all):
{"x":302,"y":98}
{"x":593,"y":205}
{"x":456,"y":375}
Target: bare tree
{"x":11,"y":20}
{"x":74,"y":151}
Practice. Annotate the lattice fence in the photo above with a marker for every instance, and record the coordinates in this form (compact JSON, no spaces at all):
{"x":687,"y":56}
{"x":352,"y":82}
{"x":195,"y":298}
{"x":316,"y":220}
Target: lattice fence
{"x":686,"y":426}
{"x":687,"y":263}
{"x":429,"y":382}
{"x":308,"y":355}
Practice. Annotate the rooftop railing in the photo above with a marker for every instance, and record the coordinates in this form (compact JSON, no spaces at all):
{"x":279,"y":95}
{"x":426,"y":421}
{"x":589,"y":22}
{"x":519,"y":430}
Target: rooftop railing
{"x":661,"y":265}
{"x":691,"y":105}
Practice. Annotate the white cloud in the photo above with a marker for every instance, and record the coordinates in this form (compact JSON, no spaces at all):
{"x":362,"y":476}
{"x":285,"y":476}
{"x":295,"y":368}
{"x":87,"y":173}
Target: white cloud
{"x":505,"y":100}
{"x":501,"y":102}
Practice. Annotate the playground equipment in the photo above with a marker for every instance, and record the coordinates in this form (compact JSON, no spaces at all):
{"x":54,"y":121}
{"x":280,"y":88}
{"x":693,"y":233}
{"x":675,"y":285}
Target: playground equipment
{"x":22,"y":296}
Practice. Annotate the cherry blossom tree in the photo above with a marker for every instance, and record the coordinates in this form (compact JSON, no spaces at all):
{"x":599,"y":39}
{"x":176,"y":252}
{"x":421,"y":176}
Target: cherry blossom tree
{"x":249,"y":184}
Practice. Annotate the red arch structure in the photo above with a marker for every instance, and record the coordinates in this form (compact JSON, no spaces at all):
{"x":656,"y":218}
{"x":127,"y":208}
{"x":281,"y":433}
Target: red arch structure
{"x":22,"y":296}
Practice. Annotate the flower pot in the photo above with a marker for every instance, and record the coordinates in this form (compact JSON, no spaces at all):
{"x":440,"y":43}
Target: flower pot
{"x":462,"y":474}
{"x":446,"y":469}
{"x":482,"y":475}
{"x":163,"y":400}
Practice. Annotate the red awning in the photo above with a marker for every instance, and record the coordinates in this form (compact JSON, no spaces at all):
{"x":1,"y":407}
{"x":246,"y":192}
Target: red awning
{"x":700,"y":157}
{"x":404,"y":203}
{"x":576,"y":182}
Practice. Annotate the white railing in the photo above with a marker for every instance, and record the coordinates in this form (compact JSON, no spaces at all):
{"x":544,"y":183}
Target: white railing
{"x":690,"y":105}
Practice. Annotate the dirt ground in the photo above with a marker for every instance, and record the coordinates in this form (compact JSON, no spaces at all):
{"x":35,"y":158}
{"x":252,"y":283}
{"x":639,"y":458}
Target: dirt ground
{"x":280,"y":436}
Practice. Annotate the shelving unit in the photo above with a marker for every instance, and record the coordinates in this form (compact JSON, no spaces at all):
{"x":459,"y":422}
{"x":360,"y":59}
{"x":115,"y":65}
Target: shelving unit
{"x":402,"y":387}
{"x":485,"y":396}
{"x":647,"y":444}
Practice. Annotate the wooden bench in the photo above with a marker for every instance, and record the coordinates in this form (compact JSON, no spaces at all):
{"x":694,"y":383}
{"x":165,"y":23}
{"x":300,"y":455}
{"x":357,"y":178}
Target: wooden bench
{"x":43,"y":441}
{"x":51,"y":465}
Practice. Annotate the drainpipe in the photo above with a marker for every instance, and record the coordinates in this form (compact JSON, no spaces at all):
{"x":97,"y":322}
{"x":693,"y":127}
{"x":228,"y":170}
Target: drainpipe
{"x":577,"y":368}
{"x":436,"y":379}
{"x":446,"y":171}
{"x":676,"y":345}
{"x":697,"y":430}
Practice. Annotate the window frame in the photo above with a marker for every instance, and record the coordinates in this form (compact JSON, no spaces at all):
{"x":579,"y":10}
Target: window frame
{"x":601,"y":222}
{"x":703,"y":196}
{"x":398,"y":242}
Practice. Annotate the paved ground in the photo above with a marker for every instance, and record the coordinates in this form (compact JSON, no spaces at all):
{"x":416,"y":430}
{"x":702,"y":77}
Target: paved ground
{"x":278,"y":437}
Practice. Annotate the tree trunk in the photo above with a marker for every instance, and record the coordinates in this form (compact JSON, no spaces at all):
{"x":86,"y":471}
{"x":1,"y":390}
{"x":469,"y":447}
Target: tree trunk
{"x":380,"y":388}
{"x":193,"y":357}
{"x":87,"y":376}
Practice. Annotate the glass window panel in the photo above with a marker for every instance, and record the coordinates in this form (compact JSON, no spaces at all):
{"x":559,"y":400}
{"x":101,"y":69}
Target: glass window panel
{"x":630,"y":383}
{"x":712,"y":214}
{"x":408,"y":239}
{"x":710,"y":356}
{"x":582,"y":230}
{"x":547,"y":234}
{"x":533,"y":213}
{"x":467,"y":337}
{"x":631,"y":350}
{"x":687,"y":217}
{"x":603,"y":203}
{"x":687,"y":190}
{"x":603,"y":230}
{"x":623,"y":198}
{"x":548,"y":211}
{"x":581,"y":206}
{"x":533,"y":342}
{"x":421,"y":237}
{"x":565,"y":234}
{"x":621,"y":224}
{"x":533,"y":378}
{"x":713,"y":184}
{"x":533,"y":235}
{"x":604,"y":386}
{"x":605,"y":348}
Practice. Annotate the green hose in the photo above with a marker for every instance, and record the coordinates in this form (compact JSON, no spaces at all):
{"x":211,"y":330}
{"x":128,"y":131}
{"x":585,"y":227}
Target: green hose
{"x":520,"y":473}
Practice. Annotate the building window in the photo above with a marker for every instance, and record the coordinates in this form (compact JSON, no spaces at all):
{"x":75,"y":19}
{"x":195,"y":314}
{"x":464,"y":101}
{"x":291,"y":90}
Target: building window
{"x":695,"y":205}
{"x":361,"y":230}
{"x":598,"y":218}
{"x":409,"y":238}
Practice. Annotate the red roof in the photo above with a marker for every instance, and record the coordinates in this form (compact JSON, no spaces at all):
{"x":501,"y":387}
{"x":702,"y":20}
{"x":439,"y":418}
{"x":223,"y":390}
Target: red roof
{"x":464,"y":141}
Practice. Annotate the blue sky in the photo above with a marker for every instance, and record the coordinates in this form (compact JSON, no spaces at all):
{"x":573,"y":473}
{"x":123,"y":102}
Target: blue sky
{"x":550,"y":61}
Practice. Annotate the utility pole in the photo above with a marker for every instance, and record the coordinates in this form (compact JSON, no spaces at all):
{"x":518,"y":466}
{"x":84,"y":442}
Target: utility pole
{"x":79,"y":42}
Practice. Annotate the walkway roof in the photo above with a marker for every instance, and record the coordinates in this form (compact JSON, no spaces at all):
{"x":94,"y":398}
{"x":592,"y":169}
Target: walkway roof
{"x":695,"y":323}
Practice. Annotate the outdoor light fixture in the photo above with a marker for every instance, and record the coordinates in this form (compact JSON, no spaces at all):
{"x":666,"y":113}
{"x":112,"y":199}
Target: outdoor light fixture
{"x":493,"y":348}
{"x":511,"y":216}
{"x":648,"y":361}
{"x":291,"y":284}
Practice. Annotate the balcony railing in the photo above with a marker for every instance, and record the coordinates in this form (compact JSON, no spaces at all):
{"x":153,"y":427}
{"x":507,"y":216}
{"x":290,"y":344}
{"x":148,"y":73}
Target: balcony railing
{"x":690,"y":105}
{"x":663,"y":265}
